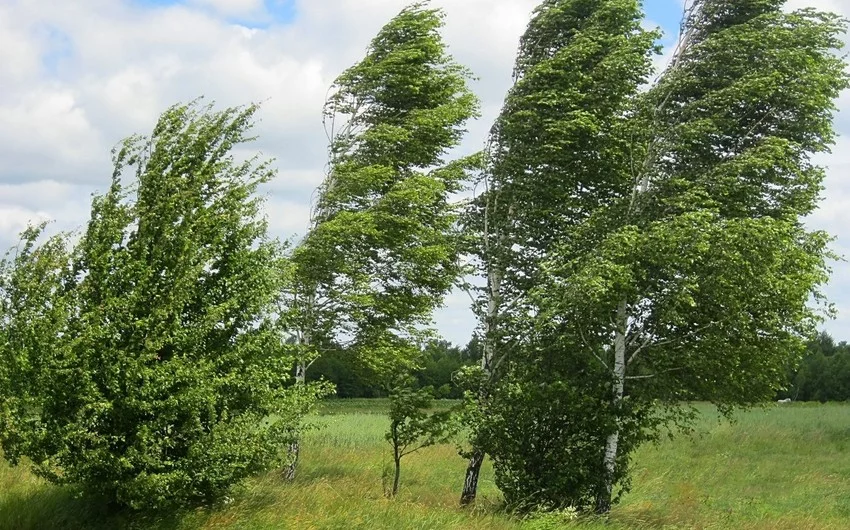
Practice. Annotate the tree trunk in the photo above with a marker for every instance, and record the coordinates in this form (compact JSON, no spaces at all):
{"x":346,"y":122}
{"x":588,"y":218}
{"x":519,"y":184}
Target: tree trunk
{"x":397,"y":476}
{"x":300,"y":372}
{"x":603,"y":499}
{"x":300,"y":379}
{"x":293,"y":450}
{"x":473,"y":469}
{"x":470,"y":484}
{"x":295,"y":445}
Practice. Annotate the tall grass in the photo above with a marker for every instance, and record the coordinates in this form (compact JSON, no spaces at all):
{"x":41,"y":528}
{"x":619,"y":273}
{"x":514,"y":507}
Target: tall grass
{"x":777,"y":468}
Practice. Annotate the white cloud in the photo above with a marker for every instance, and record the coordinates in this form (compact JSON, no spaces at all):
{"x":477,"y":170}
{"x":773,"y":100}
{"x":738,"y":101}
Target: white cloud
{"x":13,"y":219}
{"x":835,"y":6}
{"x":232,"y":7}
{"x":76,"y":77}
{"x":46,"y":132}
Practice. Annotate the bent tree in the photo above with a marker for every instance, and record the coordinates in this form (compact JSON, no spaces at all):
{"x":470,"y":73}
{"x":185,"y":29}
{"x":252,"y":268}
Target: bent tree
{"x":382,"y":249}
{"x":152,"y":354}
{"x":412,"y":427}
{"x":690,"y":278}
{"x":550,"y":151}
{"x":33,"y":315}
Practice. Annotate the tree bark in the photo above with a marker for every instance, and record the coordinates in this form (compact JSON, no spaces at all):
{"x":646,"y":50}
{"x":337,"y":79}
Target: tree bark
{"x":470,"y":483}
{"x":604,"y":497}
{"x":397,"y":476}
{"x":473,"y":468}
{"x":293,"y":449}
{"x":300,"y":379}
{"x":295,"y":445}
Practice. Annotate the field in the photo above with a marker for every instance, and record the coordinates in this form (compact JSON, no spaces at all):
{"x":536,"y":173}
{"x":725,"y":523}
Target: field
{"x":777,"y":468}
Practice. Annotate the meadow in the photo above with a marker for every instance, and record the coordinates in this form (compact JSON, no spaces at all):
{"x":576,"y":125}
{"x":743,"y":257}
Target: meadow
{"x":780,"y":467}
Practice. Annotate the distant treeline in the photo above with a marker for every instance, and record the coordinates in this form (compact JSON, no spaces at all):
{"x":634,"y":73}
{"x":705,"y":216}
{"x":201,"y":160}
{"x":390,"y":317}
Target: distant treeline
{"x":439,"y":360}
{"x":824,"y":373}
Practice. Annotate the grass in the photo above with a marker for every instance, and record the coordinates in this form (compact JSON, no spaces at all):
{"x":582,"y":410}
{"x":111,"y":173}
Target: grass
{"x":777,"y":468}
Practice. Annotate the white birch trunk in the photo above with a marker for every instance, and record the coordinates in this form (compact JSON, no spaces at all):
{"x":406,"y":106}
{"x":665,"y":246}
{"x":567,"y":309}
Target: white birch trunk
{"x":473,"y":468}
{"x":300,"y":372}
{"x":603,"y":501}
{"x":494,"y":284}
{"x":304,"y":341}
{"x":693,"y":11}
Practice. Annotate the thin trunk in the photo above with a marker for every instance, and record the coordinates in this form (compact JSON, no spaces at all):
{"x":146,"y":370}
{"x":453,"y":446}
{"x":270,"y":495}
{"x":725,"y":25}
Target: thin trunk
{"x":470,"y":483}
{"x":397,"y":475}
{"x":300,"y":372}
{"x":473,"y":468}
{"x":603,"y":499}
{"x":301,"y":365}
{"x":293,"y":450}
{"x":396,"y":458}
{"x":693,"y":13}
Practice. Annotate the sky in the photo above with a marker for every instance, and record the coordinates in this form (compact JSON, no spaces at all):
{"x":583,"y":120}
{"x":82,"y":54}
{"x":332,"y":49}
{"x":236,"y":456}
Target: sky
{"x":78,"y":76}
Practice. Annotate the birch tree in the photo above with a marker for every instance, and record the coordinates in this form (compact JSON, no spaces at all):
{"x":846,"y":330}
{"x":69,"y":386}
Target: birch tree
{"x":578,"y":67}
{"x":382,"y":248}
{"x":691,"y":276}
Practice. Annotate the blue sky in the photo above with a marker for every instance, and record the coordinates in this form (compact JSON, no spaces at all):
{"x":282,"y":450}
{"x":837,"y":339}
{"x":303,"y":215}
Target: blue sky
{"x":272,"y":12}
{"x":78,"y":76}
{"x":666,"y":13}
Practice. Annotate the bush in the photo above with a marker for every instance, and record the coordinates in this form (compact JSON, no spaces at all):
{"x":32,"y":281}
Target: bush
{"x":154,"y":366}
{"x":545,"y":427}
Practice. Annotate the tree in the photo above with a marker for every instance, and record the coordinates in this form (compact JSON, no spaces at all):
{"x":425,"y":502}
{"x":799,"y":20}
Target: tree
{"x":436,"y":366}
{"x":159,"y":380}
{"x":689,"y":277}
{"x":578,"y":67}
{"x":382,"y":249}
{"x":823,"y":374}
{"x":412,"y":427}
{"x":33,"y":314}
{"x":439,"y":363}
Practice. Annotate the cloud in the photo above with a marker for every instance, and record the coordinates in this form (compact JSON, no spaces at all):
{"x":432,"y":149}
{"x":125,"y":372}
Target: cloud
{"x":232,"y":8}
{"x":13,"y":218}
{"x":77,"y":77}
{"x":47,"y":133}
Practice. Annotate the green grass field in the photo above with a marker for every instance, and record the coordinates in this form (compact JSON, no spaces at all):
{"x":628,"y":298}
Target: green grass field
{"x":778,"y":468}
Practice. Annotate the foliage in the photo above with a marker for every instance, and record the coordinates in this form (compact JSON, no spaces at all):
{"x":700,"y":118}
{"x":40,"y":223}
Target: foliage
{"x":157,"y":366}
{"x":348,"y":376}
{"x":436,"y":366}
{"x":382,"y":250}
{"x":439,"y":362}
{"x":34,"y":312}
{"x":674,"y":264}
{"x":547,"y":439}
{"x":823,"y":374}
{"x":550,"y":519}
{"x":553,"y":151}
{"x":690,"y":277}
{"x":411,"y":427}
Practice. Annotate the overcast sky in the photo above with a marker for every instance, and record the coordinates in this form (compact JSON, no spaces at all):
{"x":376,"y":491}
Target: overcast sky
{"x":77,"y":76}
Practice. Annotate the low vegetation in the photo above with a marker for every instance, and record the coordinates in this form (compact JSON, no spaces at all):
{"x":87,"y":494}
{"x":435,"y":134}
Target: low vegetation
{"x":781,"y":467}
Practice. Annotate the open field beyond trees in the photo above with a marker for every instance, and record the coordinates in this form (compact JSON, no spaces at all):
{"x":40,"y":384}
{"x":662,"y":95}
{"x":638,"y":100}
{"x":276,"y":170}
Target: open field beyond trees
{"x":780,"y":467}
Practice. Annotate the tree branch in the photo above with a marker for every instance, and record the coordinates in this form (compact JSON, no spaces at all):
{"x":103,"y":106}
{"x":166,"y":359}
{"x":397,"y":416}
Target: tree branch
{"x":598,"y":358}
{"x":650,"y":376}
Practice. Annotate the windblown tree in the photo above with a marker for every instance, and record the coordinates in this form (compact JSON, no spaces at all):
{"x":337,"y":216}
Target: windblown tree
{"x":153,"y":356}
{"x":689,"y":273}
{"x":412,"y":427}
{"x":33,"y":314}
{"x":382,"y":249}
{"x":551,"y":153}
